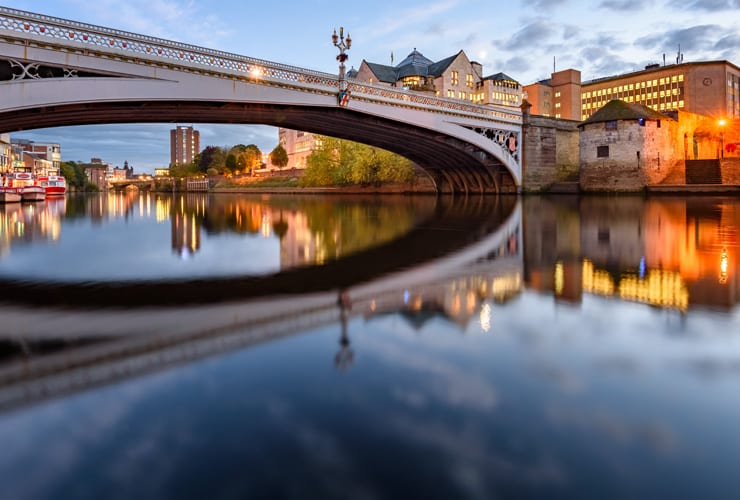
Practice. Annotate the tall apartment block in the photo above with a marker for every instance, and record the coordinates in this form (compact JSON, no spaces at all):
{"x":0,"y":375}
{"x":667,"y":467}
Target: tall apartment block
{"x":184,"y":145}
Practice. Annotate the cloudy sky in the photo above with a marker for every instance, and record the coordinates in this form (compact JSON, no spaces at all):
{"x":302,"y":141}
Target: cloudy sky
{"x":524,"y":39}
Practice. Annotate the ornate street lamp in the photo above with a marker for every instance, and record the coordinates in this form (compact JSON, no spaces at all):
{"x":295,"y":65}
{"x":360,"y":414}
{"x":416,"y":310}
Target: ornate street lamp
{"x":343,"y":45}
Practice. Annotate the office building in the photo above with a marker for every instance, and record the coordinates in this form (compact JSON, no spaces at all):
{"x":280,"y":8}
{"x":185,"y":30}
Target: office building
{"x":707,"y":88}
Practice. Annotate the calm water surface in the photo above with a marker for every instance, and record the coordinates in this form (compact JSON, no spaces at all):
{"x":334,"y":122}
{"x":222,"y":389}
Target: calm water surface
{"x":284,"y":347}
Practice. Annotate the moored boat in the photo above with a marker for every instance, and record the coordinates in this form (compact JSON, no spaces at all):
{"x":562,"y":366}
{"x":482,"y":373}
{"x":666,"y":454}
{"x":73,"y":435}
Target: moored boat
{"x":27,"y":185}
{"x":54,"y":185}
{"x":9,"y":195}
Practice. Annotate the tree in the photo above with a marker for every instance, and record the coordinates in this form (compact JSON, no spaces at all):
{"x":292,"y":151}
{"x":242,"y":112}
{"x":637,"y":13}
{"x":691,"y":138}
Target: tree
{"x":279,"y":157}
{"x":231,"y":162}
{"x":336,"y":162}
{"x":252,"y":157}
{"x":212,"y":157}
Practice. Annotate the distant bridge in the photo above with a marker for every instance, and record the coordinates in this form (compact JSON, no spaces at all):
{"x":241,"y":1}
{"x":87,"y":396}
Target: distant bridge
{"x":56,"y":72}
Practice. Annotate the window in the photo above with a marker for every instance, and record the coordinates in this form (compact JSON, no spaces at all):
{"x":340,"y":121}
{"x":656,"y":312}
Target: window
{"x":450,"y":93}
{"x":610,"y":125}
{"x":469,"y":80}
{"x":602,"y":151}
{"x":455,"y":78}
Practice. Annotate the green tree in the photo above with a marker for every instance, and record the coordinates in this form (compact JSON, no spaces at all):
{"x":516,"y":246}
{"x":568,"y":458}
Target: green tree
{"x":279,"y":157}
{"x":231,"y":162}
{"x":212,"y":157}
{"x":337,"y":162}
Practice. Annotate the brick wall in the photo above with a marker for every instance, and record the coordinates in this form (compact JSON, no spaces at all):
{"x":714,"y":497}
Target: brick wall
{"x":730,"y":170}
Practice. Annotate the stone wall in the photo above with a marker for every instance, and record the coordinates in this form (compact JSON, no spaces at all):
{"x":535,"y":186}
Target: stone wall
{"x":638,"y":156}
{"x":730,"y":170}
{"x":550,"y":152}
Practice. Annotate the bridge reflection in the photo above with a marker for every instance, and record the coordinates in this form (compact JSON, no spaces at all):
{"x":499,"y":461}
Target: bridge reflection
{"x":94,"y":341}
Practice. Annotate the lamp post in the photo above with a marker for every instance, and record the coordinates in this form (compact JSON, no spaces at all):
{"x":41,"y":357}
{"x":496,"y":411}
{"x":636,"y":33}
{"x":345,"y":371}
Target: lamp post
{"x":343,"y":45}
{"x":722,"y":137}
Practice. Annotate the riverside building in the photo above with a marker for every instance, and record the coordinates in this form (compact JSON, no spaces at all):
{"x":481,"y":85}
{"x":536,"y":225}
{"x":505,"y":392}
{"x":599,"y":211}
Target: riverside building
{"x":707,"y":88}
{"x":184,"y":145}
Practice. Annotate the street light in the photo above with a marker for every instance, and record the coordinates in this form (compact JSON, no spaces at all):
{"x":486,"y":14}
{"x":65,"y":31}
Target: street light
{"x":343,"y":45}
{"x":721,"y":124}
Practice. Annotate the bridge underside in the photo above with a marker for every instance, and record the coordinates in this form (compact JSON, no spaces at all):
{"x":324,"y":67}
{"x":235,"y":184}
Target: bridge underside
{"x":453,"y":165}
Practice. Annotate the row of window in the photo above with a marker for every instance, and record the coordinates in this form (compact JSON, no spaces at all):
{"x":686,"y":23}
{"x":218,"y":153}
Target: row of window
{"x":666,"y":83}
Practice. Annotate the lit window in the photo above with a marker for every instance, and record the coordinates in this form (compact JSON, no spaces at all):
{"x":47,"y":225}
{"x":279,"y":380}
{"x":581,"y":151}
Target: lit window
{"x":455,"y":78}
{"x":450,"y":93}
{"x":469,"y":80}
{"x":557,"y":94}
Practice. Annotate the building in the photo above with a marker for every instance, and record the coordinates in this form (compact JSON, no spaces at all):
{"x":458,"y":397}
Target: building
{"x":707,"y":88}
{"x":96,"y":172}
{"x":626,"y":147}
{"x":161,"y":172}
{"x":6,"y":155}
{"x":184,"y":145}
{"x":557,"y":97}
{"x":455,"y":77}
{"x":50,"y":153}
{"x":298,"y":145}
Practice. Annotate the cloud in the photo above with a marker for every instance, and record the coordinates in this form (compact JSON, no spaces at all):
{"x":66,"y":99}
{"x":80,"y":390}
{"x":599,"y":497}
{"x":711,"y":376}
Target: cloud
{"x":706,"y":5}
{"x":534,"y":33}
{"x":696,"y":38}
{"x":622,"y":5}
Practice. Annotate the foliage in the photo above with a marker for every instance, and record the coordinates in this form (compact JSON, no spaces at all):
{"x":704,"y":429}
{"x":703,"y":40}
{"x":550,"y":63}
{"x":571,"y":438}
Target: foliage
{"x":212,"y":172}
{"x":230,"y":162}
{"x":252,"y":158}
{"x":337,"y":162}
{"x":279,"y":157}
{"x":74,"y":174}
{"x":212,"y":157}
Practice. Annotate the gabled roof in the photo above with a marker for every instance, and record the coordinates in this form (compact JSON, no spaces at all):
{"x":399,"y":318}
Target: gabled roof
{"x":501,"y":77}
{"x":415,"y":64}
{"x":439,"y":67}
{"x":620,"y":110}
{"x":386,"y":74}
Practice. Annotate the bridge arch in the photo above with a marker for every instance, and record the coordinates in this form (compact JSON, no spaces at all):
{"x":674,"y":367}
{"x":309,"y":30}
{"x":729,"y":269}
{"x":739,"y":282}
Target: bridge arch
{"x":91,"y":75}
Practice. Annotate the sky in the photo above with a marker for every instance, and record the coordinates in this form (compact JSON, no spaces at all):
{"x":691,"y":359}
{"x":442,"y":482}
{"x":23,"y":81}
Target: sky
{"x":524,"y":39}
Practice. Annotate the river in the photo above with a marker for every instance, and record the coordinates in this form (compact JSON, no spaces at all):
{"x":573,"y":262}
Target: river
{"x":254,"y":346}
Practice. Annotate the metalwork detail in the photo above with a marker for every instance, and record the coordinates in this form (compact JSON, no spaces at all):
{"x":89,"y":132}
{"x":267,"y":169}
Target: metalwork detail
{"x":100,"y":41}
{"x":22,"y":71}
{"x":507,"y":139}
{"x":70,"y":73}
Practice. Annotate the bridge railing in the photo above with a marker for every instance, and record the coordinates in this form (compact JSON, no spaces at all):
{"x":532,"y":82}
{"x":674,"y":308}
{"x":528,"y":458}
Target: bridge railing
{"x":76,"y":35}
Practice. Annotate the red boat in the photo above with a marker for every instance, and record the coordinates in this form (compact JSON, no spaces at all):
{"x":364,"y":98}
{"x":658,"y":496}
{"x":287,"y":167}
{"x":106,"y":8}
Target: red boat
{"x":55,"y":185}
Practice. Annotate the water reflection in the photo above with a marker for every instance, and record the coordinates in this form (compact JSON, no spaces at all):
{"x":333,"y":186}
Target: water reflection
{"x":539,"y":348}
{"x":675,"y":253}
{"x":289,"y":232}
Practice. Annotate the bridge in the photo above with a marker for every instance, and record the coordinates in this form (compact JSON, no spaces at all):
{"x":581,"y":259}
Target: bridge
{"x":56,"y":72}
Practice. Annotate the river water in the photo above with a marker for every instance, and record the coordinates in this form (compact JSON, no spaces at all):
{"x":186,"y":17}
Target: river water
{"x":262,"y":346}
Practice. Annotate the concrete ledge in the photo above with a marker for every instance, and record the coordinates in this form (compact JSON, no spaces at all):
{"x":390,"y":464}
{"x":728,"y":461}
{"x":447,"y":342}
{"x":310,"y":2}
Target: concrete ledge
{"x":694,"y":188}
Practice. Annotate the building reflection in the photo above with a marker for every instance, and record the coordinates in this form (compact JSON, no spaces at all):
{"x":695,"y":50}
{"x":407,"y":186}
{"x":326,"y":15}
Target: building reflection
{"x":664,"y":252}
{"x":23,"y":223}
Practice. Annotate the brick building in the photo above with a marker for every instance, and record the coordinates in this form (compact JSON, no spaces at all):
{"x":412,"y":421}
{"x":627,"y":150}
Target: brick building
{"x":184,"y":145}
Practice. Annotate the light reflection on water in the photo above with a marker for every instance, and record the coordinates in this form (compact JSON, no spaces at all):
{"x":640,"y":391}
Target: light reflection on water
{"x":587,"y":348}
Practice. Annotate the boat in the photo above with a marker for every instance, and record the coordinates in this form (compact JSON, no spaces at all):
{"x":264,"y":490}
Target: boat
{"x":54,"y":185}
{"x":9,"y":195}
{"x":27,"y":185}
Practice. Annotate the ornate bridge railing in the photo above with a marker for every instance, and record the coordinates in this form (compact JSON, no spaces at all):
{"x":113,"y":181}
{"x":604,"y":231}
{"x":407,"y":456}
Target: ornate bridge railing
{"x":95,"y":40}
